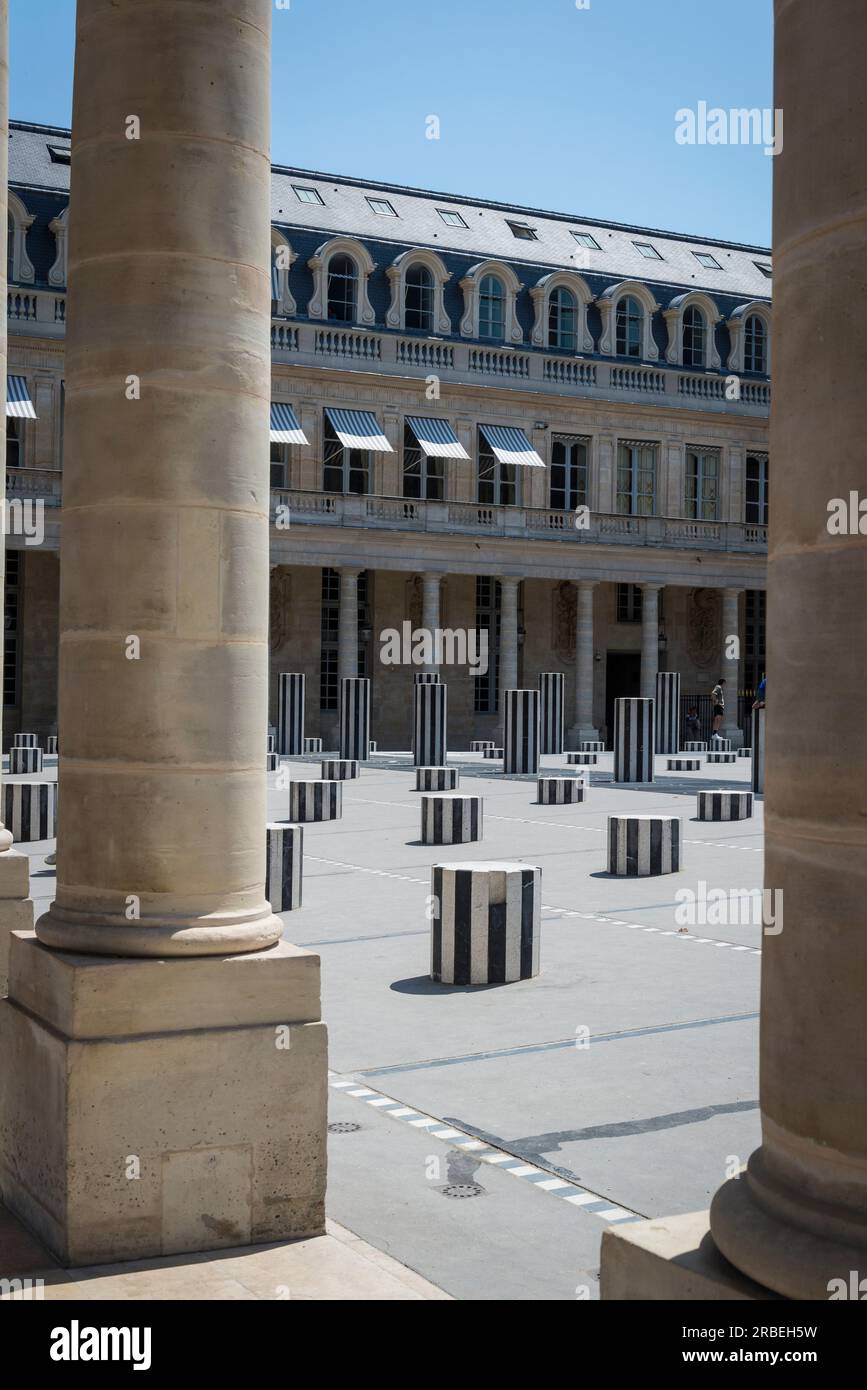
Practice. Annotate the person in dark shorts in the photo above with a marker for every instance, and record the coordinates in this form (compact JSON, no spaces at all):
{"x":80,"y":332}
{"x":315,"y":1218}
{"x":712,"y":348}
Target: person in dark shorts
{"x":718,"y":699}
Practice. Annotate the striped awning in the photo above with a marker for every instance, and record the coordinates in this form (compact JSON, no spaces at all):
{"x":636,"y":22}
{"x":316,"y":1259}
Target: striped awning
{"x":511,"y":445}
{"x":358,"y":429}
{"x":18,"y":400}
{"x":436,"y":437}
{"x":285,"y":428}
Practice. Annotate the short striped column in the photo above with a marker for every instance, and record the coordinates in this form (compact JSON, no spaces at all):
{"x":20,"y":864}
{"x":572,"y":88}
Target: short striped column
{"x":720,"y":745}
{"x":371,"y":747}
{"x":560,"y":791}
{"x":725,"y":805}
{"x":51,"y":744}
{"x":340,"y":769}
{"x":551,"y":709}
{"x":25,"y":741}
{"x":354,"y":717}
{"x":592,"y":745}
{"x":684,"y":764}
{"x":30,"y":810}
{"x":313,"y":745}
{"x":436,"y":779}
{"x":24,"y":761}
{"x":291,"y":694}
{"x":667,"y":711}
{"x":634,"y":737}
{"x":582,"y":759}
{"x":450,"y":819}
{"x":716,"y":757}
{"x":694,"y":746}
{"x":284,"y":855}
{"x":430,"y":715}
{"x":313,"y":801}
{"x":272,"y":762}
{"x":758,"y":778}
{"x":479,"y":745}
{"x":643,"y":846}
{"x":420,"y":678}
{"x":492,"y":752}
{"x":745,"y":752}
{"x":272,"y":743}
{"x":487,"y":924}
{"x":521,"y":731}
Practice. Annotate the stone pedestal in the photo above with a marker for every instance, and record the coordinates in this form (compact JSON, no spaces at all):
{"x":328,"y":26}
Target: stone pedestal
{"x":16,"y":905}
{"x":670,"y":1258}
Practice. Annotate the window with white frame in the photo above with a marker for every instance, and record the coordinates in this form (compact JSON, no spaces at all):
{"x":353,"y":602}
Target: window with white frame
{"x":423,"y":477}
{"x":756,"y":509}
{"x":419,"y":299}
{"x":694,"y":337}
{"x":562,"y":320}
{"x":755,"y":344}
{"x":344,"y":470}
{"x":628,"y":327}
{"x":492,"y":309}
{"x":342,"y":289}
{"x":636,"y":478}
{"x":498,"y":482}
{"x":568,"y":474}
{"x":702,"y":484}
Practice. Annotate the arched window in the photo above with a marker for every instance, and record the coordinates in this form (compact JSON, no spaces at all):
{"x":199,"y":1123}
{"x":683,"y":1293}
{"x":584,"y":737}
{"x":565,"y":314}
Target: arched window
{"x":755,"y":345}
{"x":419,"y":299}
{"x":342,"y":289}
{"x":694,"y":336}
{"x":492,"y":309}
{"x":563,"y":320}
{"x":628,"y":327}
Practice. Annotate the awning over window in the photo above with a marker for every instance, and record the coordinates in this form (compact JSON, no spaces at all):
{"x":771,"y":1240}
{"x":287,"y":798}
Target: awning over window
{"x":511,"y":445}
{"x":18,"y":400}
{"x":436,"y":437}
{"x":285,"y":428}
{"x":358,"y":429}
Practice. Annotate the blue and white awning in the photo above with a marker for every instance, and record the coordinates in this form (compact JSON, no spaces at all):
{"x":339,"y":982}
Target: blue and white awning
{"x":511,"y":445}
{"x":18,"y":400}
{"x":436,"y":437}
{"x":358,"y":429}
{"x":285,"y":428}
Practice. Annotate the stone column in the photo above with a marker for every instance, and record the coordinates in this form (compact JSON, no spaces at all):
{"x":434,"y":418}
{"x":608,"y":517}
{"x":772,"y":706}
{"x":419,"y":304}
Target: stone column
{"x":16,"y":908}
{"x":508,"y":642}
{"x":649,"y":639}
{"x":430,"y":613}
{"x":583,"y":727}
{"x":347,"y":629}
{"x":170,"y":1054}
{"x":730,"y":666}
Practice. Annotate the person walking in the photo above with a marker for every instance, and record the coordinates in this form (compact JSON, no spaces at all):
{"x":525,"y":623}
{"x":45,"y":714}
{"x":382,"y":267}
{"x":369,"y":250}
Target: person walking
{"x":718,"y":700}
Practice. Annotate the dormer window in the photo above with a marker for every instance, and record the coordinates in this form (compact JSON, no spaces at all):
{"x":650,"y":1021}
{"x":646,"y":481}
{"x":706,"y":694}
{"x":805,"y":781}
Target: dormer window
{"x":705,"y":259}
{"x":629,"y":325}
{"x":523,"y":231}
{"x":307,"y":195}
{"x":492,"y":309}
{"x":342,"y":285}
{"x":585,"y":239}
{"x":382,"y":207}
{"x":645,"y":249}
{"x":451,"y":218}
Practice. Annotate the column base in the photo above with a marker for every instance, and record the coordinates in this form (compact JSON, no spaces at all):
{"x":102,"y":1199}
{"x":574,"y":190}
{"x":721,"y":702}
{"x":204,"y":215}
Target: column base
{"x":580,"y":733}
{"x":16,"y":906}
{"x":671,"y":1258}
{"x":153,"y":1107}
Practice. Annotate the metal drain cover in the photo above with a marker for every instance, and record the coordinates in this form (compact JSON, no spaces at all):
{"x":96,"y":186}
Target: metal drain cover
{"x":462,"y":1189}
{"x":343,"y":1127}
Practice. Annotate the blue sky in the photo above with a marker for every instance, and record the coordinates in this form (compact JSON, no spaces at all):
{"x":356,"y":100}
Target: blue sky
{"x":539,"y":102}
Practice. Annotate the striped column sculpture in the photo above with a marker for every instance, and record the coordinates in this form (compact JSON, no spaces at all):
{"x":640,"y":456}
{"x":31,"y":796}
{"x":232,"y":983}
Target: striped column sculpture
{"x":479,"y":745}
{"x":758,"y":778}
{"x":560,"y":791}
{"x":551,"y":711}
{"x":643,"y":846}
{"x":521,"y":731}
{"x":314,"y":801}
{"x":725,"y":805}
{"x":291,"y":694}
{"x":582,"y":759}
{"x":694,"y":746}
{"x":592,"y":745}
{"x":492,"y":752}
{"x":436,"y":779}
{"x":283,"y":865}
{"x":634,"y":737}
{"x":667,"y":711}
{"x":312,"y":745}
{"x":25,"y":741}
{"x":51,"y":744}
{"x":430,"y":715}
{"x":420,"y":678}
{"x":272,"y":762}
{"x":487,"y":924}
{"x":24,"y":760}
{"x":718,"y":757}
{"x":745,"y":752}
{"x":452,"y":818}
{"x":684,"y":764}
{"x":355,"y":717}
{"x":339,"y":769}
{"x":371,"y":747}
{"x":272,"y":743}
{"x":30,"y":810}
{"x":718,"y":744}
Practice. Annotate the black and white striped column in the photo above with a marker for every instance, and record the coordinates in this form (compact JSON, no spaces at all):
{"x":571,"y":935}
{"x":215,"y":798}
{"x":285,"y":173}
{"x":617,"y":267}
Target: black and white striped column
{"x":684,"y":764}
{"x":582,"y":759}
{"x":24,"y":760}
{"x":725,"y":805}
{"x":479,"y":745}
{"x":25,"y":741}
{"x":487,"y":926}
{"x":521,"y":731}
{"x":694,"y":746}
{"x":758,"y":769}
{"x":551,"y":711}
{"x":718,"y":744}
{"x":340,"y":769}
{"x":371,"y":747}
{"x":291,"y":694}
{"x":430,"y":716}
{"x":634,"y":721}
{"x":30,"y":810}
{"x":560,"y":791}
{"x":745,"y":752}
{"x":450,"y":819}
{"x":427,"y":678}
{"x":312,"y":801}
{"x":592,"y":745}
{"x":355,"y":717}
{"x":492,"y":752}
{"x":313,"y":745}
{"x":272,"y":743}
{"x":272,"y":762}
{"x":716,"y":757}
{"x":643,"y":846}
{"x":436,"y":779}
{"x":667,"y":711}
{"x":51,"y":744}
{"x":283,"y":865}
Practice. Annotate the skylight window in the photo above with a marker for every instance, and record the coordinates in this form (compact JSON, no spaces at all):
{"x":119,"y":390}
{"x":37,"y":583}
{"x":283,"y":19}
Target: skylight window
{"x":451,"y":219}
{"x":649,"y":252}
{"x":523,"y":231}
{"x":308,"y":195}
{"x":585,"y":239}
{"x":707,"y":260}
{"x":60,"y":154}
{"x":764,"y":268}
{"x":381,"y":206}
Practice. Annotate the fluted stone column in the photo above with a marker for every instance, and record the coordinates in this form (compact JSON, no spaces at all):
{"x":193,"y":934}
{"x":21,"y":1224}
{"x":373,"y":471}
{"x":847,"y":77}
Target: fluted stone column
{"x":508,"y":641}
{"x":430,"y":614}
{"x":347,"y":629}
{"x":16,"y":908}
{"x":583,"y":727}
{"x":649,"y":639}
{"x":730,"y":666}
{"x":159,"y":1040}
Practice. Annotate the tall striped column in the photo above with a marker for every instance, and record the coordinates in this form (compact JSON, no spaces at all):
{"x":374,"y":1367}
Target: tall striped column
{"x":551,"y":704}
{"x":634,"y":721}
{"x":668,"y":711}
{"x":758,"y":768}
{"x":420,"y":678}
{"x":291,"y":690}
{"x":521,"y":731}
{"x":355,"y":717}
{"x":430,"y":713}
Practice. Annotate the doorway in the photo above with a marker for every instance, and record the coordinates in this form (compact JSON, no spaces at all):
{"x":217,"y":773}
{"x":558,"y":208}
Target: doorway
{"x":622,"y":679}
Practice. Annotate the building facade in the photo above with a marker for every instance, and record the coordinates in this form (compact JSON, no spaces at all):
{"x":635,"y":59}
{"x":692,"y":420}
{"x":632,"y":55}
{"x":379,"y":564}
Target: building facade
{"x":484,"y":419}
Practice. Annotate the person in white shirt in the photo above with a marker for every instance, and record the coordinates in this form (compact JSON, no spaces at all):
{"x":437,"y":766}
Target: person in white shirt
{"x":718,"y":700}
